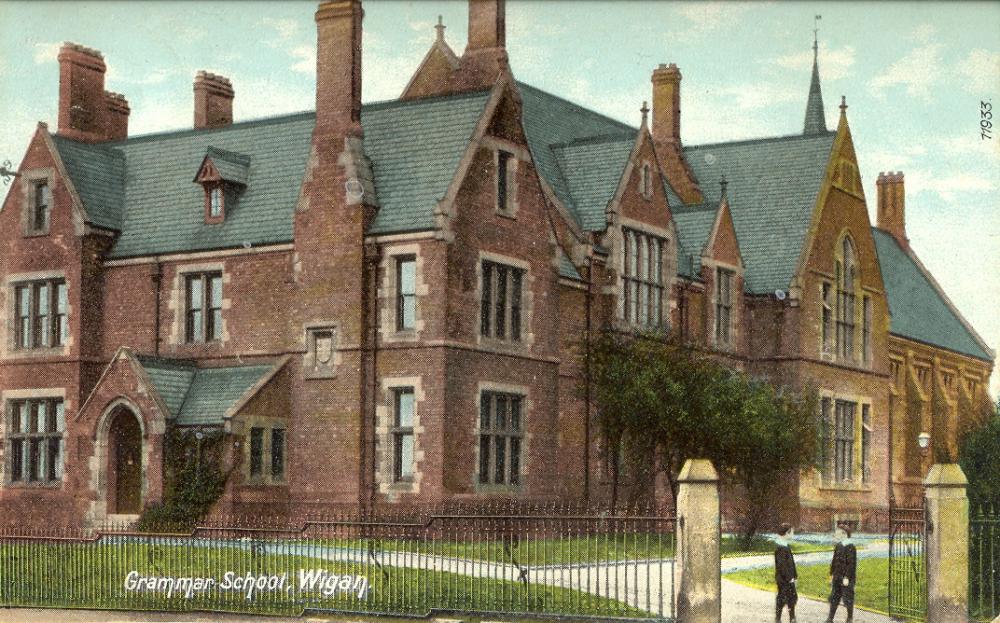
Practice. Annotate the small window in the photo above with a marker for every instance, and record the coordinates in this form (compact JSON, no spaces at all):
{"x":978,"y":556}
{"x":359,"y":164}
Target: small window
{"x":402,"y":434}
{"x":866,"y":442}
{"x":204,"y":307}
{"x":501,"y":435}
{"x":256,"y":452}
{"x":215,"y":202}
{"x":723,"y":306}
{"x":500,"y":308}
{"x":41,"y":208}
{"x":278,"y":454}
{"x":406,"y":293}
{"x":41,"y":314}
{"x":866,"y":330}
{"x":35,"y":441}
{"x":645,"y":182}
{"x":827,"y":319}
{"x":504,"y":199}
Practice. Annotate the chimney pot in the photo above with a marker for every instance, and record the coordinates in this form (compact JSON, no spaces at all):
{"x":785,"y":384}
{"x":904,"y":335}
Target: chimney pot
{"x":213,"y":100}
{"x":891,"y":215}
{"x":117,"y":116}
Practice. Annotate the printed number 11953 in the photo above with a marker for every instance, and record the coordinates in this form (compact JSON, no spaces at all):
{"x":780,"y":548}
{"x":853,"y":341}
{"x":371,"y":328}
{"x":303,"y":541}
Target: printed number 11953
{"x":985,"y":125}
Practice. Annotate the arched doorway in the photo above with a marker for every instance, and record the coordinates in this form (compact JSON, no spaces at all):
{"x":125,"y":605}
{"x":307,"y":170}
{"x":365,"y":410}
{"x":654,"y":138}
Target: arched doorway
{"x":124,"y":464}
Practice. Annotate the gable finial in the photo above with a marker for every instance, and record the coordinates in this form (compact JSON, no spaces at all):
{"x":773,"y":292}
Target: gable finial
{"x":723,"y":187}
{"x":645,"y":112}
{"x":440,"y":28}
{"x":843,"y":105}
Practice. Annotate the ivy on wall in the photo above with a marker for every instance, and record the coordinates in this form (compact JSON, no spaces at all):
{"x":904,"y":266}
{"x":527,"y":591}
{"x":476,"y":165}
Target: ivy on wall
{"x":193,"y":480}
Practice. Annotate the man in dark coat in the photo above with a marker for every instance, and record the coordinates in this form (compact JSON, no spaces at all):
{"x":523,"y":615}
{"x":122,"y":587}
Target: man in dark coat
{"x":785,"y":574}
{"x":843,"y":571}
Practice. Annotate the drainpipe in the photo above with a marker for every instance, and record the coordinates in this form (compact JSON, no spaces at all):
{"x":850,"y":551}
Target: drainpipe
{"x":157,"y":277}
{"x":586,"y":383}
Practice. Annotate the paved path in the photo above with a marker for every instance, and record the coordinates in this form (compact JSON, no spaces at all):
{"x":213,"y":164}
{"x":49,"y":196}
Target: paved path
{"x":742,"y":604}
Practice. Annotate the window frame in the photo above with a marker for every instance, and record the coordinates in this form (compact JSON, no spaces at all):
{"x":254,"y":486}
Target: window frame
{"x":642,"y":286}
{"x":826,"y":319}
{"x":845,"y":414}
{"x":38,"y":330}
{"x":499,"y":305}
{"x":266,"y":454}
{"x":213,"y":189}
{"x":724,"y":306}
{"x":208,"y":310}
{"x":504,"y":186}
{"x":44,"y":430}
{"x":847,"y":280}
{"x":402,"y":297}
{"x":399,"y":433}
{"x":494,"y":471}
{"x":41,"y":203}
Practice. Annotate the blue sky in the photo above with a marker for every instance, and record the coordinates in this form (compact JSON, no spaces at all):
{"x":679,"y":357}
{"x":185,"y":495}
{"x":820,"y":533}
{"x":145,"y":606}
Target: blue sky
{"x":913,"y":73}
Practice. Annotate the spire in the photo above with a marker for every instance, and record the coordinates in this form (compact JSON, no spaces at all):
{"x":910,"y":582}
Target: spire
{"x":815,"y":119}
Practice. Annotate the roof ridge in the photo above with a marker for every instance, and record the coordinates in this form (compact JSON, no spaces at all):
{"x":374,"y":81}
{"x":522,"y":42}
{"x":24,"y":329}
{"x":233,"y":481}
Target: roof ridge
{"x":764,"y":139}
{"x":577,"y":106}
{"x":595,"y":140}
{"x":181,"y":363}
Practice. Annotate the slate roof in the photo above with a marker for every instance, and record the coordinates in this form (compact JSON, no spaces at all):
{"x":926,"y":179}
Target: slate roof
{"x":773,"y":186}
{"x":567,"y":269}
{"x":232,"y":167}
{"x":199,"y":396}
{"x":917,"y":307}
{"x":694,"y":226}
{"x":592,"y":169}
{"x":96,"y":172}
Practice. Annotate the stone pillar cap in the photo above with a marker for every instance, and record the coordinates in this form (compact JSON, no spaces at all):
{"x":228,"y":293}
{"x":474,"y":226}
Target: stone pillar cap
{"x":946,"y":475}
{"x":698,"y":470}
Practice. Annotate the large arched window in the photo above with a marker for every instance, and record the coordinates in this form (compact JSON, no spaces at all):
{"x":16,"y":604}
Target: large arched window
{"x":846,"y":283}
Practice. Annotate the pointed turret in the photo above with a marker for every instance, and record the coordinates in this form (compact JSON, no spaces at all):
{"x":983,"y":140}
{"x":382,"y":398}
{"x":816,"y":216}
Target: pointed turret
{"x":815,"y":119}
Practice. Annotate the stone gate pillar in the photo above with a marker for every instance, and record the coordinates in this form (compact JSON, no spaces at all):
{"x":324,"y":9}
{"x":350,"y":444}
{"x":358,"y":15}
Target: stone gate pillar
{"x":698,"y":587}
{"x":947,"y":544}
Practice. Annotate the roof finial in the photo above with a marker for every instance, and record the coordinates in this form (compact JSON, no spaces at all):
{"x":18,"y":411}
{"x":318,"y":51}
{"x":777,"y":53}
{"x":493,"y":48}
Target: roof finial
{"x":843,"y":104}
{"x":645,"y":112}
{"x":816,"y":38}
{"x":723,"y":186}
{"x":440,"y":28}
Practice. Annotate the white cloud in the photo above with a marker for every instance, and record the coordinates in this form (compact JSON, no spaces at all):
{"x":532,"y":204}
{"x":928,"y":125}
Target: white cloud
{"x":834,"y":64}
{"x":284,"y":28}
{"x":756,"y":96}
{"x":979,"y":71}
{"x":914,"y":72}
{"x":47,"y":52}
{"x":923,"y":33}
{"x":948,"y":185}
{"x":705,"y":17}
{"x":306,"y":59}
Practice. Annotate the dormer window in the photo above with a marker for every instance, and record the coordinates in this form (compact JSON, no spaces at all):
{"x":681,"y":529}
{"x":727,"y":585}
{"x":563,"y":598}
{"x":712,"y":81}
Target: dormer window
{"x":223,"y":175}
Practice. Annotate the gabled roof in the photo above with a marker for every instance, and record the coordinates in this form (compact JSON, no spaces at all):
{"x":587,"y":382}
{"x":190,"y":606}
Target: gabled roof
{"x":414,"y":147}
{"x":551,"y":122}
{"x":591,"y":170}
{"x":232,"y":167}
{"x":919,"y":310}
{"x":567,"y":269}
{"x":200,"y":396}
{"x":773,"y":187}
{"x":694,"y":226}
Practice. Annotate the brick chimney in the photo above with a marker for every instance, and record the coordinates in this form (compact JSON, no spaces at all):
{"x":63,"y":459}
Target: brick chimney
{"x":487,"y":24}
{"x":667,"y":132}
{"x":892,"y":206}
{"x":338,"y":67}
{"x":485,"y":56}
{"x":213,"y":101}
{"x":117,"y":111}
{"x":82,"y":104}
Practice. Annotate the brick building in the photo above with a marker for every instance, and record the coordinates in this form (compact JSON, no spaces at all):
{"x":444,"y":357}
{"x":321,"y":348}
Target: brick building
{"x":390,"y":302}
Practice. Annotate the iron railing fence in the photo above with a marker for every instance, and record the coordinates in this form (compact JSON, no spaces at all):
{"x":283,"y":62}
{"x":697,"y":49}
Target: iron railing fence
{"x":907,"y":592}
{"x":525,"y":561}
{"x":984,"y":560}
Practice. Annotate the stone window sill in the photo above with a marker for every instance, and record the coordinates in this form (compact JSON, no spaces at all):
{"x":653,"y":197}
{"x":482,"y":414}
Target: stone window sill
{"x":845,"y":486}
{"x":29,"y":353}
{"x":264,"y":482}
{"x":34,"y":485}
{"x":317,"y":375}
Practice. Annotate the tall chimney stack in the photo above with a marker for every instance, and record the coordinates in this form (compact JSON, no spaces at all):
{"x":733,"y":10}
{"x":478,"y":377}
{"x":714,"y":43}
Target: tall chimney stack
{"x":487,"y":24}
{"x":213,"y":101}
{"x":338,"y":67}
{"x":667,"y":103}
{"x":891,"y":215}
{"x":117,"y":111}
{"x":82,"y":106}
{"x":667,"y":133}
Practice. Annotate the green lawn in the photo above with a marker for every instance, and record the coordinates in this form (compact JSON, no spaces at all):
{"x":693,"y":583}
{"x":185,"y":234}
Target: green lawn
{"x":565,"y":551}
{"x":871,"y":591}
{"x":93,"y":575}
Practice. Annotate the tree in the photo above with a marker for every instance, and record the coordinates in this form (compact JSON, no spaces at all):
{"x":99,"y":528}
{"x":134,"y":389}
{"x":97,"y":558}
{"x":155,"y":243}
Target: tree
{"x":667,"y":400}
{"x":979,"y":457}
